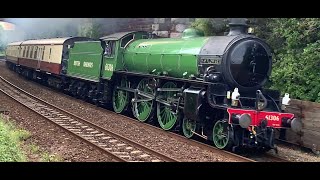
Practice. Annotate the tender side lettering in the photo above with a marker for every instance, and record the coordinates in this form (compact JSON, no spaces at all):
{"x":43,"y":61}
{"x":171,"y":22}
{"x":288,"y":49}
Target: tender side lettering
{"x":108,"y":67}
{"x":88,"y":64}
{"x":76,"y":63}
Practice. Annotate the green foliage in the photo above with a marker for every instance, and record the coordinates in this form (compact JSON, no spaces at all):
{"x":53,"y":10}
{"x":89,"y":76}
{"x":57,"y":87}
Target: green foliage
{"x":44,"y":156}
{"x":34,"y":148}
{"x":10,"y":138}
{"x":296,"y":45}
{"x":210,"y":26}
{"x":204,"y":25}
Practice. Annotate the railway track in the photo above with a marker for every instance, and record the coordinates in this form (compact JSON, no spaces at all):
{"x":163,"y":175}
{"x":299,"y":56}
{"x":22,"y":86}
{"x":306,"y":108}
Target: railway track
{"x":264,"y":157}
{"x":267,"y":158}
{"x":202,"y":145}
{"x":273,"y":158}
{"x":246,"y":158}
{"x":298,"y":146}
{"x":116,"y":146}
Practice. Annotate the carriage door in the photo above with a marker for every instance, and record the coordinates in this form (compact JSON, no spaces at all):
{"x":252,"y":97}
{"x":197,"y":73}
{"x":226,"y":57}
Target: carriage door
{"x":109,"y":58}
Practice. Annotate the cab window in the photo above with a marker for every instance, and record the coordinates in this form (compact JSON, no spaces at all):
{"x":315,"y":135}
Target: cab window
{"x":109,"y":49}
{"x":126,"y":40}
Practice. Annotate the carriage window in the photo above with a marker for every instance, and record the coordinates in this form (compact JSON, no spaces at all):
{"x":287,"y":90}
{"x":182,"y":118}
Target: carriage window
{"x":35,"y":52}
{"x":109,"y":50}
{"x":27,"y":55}
{"x":50,"y":54}
{"x":31,"y":52}
{"x":39,"y":51}
{"x":125,"y":40}
{"x":38,"y":55}
{"x":43,"y":52}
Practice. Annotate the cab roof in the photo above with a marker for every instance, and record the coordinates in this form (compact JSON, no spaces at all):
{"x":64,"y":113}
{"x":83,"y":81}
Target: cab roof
{"x":117,"y":36}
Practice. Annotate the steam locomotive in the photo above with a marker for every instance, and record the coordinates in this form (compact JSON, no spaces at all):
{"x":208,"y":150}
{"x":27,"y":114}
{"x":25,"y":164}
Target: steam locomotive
{"x":211,"y":87}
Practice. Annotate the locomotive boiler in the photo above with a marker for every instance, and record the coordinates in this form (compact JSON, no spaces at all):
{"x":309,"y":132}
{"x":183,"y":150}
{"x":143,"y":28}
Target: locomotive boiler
{"x":238,"y":59}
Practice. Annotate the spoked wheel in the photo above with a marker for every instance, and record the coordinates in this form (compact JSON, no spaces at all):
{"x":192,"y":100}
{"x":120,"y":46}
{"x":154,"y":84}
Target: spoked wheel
{"x":188,"y":127}
{"x":167,"y":118}
{"x":142,"y":106}
{"x":221,"y":136}
{"x":120,"y":98}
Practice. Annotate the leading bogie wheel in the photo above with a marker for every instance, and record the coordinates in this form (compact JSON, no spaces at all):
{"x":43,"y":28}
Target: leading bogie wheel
{"x":221,"y":136}
{"x":188,"y":127}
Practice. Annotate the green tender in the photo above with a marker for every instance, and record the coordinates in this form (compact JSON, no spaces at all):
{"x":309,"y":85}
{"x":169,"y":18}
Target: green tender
{"x":85,"y":60}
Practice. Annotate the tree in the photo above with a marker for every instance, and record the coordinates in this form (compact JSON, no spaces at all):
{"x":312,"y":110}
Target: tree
{"x":296,"y":68}
{"x":210,"y":26}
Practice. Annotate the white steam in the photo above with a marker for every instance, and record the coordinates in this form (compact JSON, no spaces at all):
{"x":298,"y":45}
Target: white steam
{"x":38,"y":28}
{"x":34,"y":28}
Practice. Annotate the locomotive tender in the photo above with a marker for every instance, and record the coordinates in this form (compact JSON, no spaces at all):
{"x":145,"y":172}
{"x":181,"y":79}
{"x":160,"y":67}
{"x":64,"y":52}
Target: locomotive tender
{"x":211,"y":87}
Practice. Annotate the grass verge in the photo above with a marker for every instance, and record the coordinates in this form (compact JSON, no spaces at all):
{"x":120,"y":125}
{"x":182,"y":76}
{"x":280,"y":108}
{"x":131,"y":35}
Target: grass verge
{"x":10,"y":141}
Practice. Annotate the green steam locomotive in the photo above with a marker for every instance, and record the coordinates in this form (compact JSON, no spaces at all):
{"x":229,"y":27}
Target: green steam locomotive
{"x":198,"y":85}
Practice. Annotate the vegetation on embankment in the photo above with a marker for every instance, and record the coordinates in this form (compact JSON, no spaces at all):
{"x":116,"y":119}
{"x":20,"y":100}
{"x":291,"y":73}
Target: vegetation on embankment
{"x":10,"y":142}
{"x":15,"y":148}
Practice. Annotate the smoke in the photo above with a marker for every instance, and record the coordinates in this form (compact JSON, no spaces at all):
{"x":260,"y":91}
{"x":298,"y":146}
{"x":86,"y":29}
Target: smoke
{"x":35,"y":28}
{"x":38,"y":28}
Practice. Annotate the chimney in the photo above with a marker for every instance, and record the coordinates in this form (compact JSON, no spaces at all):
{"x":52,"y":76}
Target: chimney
{"x":238,"y":26}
